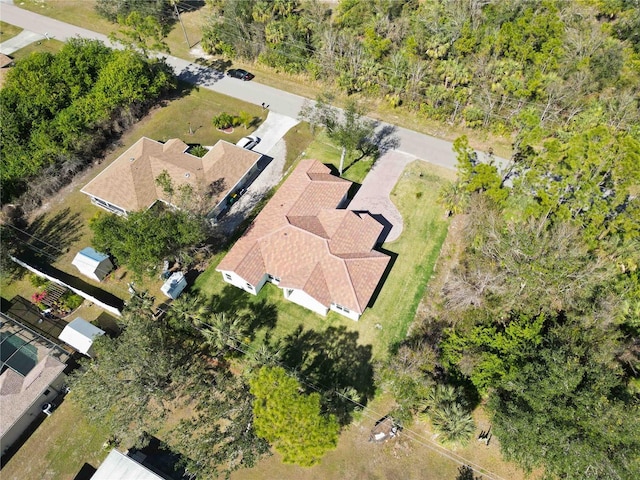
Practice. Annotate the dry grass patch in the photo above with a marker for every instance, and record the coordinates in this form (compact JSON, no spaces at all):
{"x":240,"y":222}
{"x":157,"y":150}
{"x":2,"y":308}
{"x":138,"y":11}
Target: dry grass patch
{"x":8,"y":31}
{"x":59,"y":448}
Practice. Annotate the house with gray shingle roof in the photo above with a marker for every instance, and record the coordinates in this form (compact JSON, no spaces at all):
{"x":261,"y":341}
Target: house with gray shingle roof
{"x":129,"y":183}
{"x":307,"y":244}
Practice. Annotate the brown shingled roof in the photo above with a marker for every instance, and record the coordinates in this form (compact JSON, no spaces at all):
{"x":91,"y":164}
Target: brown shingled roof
{"x":129,"y":182}
{"x":5,"y":60}
{"x":301,"y":238}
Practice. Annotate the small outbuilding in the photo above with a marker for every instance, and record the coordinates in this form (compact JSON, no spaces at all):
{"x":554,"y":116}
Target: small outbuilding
{"x":174,"y":285}
{"x":80,"y":334}
{"x":92,"y":264}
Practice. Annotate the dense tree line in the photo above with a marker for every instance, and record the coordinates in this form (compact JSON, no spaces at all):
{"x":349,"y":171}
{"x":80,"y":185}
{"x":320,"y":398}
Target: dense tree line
{"x":159,"y":366}
{"x":59,"y":110}
{"x":540,"y":315}
{"x":482,"y":64}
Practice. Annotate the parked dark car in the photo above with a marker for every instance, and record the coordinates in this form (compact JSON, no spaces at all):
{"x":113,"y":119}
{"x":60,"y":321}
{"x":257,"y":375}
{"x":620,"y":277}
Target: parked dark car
{"x":241,"y":74}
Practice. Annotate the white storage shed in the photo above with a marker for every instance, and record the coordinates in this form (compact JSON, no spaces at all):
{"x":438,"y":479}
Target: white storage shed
{"x":92,"y":264}
{"x":174,"y":285}
{"x":80,"y":334}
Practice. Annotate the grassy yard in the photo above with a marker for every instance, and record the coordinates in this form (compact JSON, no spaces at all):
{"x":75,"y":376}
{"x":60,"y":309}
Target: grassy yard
{"x":410,"y":456}
{"x":8,"y":31}
{"x":64,"y":220}
{"x":83,"y":14}
{"x":51,"y":46}
{"x":415,"y":254}
{"x":59,"y":448}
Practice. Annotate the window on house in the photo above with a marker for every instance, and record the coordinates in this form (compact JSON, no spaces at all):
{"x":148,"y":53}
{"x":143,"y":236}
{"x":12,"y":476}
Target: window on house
{"x":249,"y":286}
{"x":228,"y":276}
{"x":341,"y":308}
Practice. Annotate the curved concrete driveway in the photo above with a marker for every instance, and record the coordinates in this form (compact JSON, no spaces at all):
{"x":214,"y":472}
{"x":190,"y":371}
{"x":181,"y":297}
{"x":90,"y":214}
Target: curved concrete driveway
{"x":373,"y":195}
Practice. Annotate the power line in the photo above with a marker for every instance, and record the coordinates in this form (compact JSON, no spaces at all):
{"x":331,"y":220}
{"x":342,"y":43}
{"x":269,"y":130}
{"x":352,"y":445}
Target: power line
{"x":415,"y":436}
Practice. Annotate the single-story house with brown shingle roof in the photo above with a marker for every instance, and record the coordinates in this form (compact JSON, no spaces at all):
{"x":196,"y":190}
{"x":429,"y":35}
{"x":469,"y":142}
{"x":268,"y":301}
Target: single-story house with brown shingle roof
{"x":307,"y":244}
{"x":129,"y":183}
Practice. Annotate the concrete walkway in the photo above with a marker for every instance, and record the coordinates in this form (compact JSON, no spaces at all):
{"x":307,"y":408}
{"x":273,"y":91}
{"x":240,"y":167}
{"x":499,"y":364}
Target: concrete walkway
{"x":21,"y":40}
{"x":373,"y":195}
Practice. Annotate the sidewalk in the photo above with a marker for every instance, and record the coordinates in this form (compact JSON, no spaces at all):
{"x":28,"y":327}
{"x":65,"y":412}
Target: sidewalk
{"x":21,"y":40}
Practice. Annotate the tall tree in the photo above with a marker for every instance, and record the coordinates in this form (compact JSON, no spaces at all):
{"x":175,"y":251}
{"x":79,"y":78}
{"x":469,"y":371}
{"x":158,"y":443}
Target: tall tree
{"x":132,"y":378}
{"x":563,"y":405}
{"x":350,"y":129}
{"x":290,"y":420}
{"x":143,"y":239}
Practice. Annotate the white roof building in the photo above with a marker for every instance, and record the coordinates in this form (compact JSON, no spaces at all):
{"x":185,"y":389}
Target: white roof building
{"x":119,"y":466}
{"x":92,"y":264}
{"x":174,"y":285}
{"x":80,"y":334}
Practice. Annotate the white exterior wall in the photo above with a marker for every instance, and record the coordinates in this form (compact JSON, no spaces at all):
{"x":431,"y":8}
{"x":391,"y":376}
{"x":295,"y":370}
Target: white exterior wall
{"x":237,"y":281}
{"x":27,"y":418}
{"x":350,"y":314}
{"x":305,"y":300}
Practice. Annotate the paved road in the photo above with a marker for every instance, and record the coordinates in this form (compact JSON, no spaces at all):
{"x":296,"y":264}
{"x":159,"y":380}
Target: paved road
{"x":421,"y":146}
{"x":374,"y":193}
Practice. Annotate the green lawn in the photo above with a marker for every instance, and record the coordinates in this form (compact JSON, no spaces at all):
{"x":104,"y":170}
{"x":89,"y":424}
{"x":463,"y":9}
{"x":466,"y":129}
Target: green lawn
{"x":196,"y":110}
{"x":8,"y":31}
{"x":59,"y":448}
{"x":51,"y":46}
{"x":66,"y":221}
{"x":415,"y":255}
{"x":76,"y":12}
{"x":83,"y":14}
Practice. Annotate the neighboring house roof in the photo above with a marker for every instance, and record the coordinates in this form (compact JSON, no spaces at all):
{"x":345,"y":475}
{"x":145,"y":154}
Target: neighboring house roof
{"x":301,"y":238}
{"x":18,"y":393}
{"x":130,"y":181}
{"x":80,"y":334}
{"x":118,"y":465}
{"x":5,"y":60}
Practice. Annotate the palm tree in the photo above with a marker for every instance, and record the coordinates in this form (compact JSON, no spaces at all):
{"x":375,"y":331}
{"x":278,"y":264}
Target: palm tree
{"x":223,"y":333}
{"x":446,"y":408}
{"x":454,"y":422}
{"x":187,"y":311}
{"x":263,"y":355}
{"x":141,"y":303}
{"x":454,"y":198}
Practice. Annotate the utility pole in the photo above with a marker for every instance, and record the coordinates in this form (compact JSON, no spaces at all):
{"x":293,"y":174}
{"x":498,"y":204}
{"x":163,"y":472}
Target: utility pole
{"x":175,"y":7}
{"x":344,"y":152}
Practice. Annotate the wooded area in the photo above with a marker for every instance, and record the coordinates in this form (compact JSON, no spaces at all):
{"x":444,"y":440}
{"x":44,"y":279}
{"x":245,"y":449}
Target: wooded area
{"x":540,"y":316}
{"x":60,"y":111}
{"x":477,"y":63}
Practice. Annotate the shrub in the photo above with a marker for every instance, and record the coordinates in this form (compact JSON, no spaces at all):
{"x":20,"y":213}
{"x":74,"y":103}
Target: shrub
{"x":70,"y":301}
{"x":38,"y":281}
{"x":224,"y":120}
